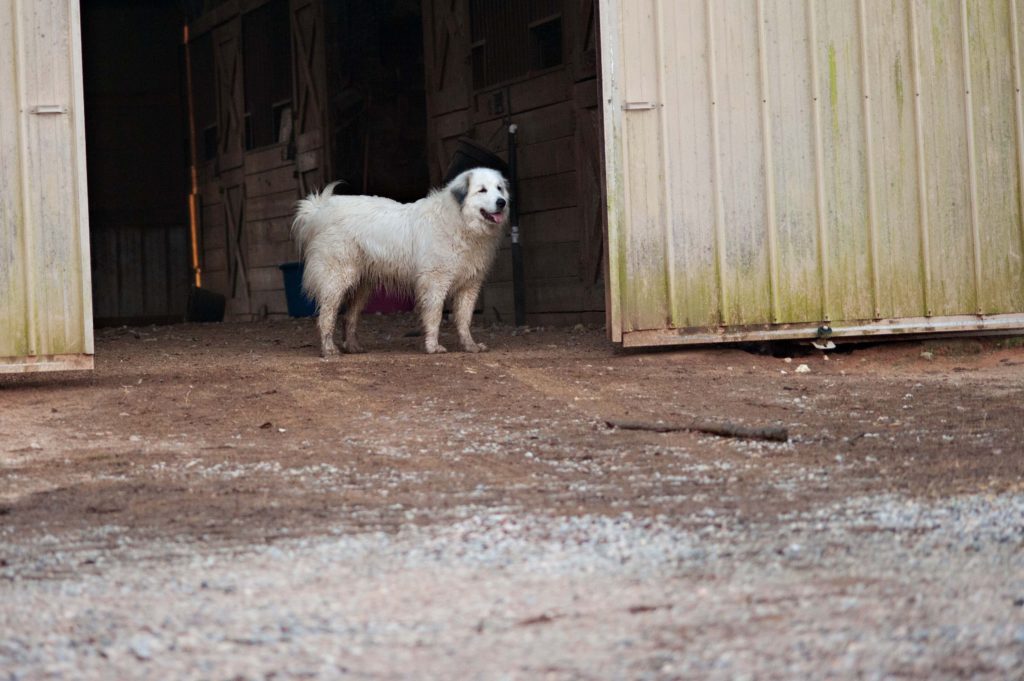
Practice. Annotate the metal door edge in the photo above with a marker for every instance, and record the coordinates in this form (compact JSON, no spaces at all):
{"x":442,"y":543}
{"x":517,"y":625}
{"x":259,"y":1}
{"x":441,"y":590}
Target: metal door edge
{"x":39,"y":363}
{"x":853,"y":330}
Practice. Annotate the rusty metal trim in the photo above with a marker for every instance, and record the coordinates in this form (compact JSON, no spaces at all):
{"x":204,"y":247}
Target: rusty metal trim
{"x":39,"y":363}
{"x":907,"y":326}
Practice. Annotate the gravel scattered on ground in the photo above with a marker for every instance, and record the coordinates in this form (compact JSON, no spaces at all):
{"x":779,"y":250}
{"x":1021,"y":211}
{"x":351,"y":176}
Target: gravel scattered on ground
{"x":472,"y":517}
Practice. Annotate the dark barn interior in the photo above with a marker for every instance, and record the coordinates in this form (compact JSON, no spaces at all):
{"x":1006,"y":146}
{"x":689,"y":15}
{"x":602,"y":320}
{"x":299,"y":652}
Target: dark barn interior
{"x":136,"y":150}
{"x":288,"y":95}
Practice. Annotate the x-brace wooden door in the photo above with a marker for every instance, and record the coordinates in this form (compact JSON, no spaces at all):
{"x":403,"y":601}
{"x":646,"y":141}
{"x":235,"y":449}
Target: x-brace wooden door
{"x":309,"y":81}
{"x":227,"y":55}
{"x":446,"y":53}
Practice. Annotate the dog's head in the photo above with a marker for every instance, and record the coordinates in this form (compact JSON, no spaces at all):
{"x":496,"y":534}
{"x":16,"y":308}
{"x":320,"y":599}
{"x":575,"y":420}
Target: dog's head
{"x":482,"y":194}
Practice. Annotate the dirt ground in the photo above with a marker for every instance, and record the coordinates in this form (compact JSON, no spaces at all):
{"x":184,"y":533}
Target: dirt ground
{"x":216,"y":502}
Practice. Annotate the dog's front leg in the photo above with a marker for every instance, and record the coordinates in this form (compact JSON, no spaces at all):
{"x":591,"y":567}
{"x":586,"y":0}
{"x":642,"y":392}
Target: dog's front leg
{"x":430,"y":295}
{"x":464,"y":302}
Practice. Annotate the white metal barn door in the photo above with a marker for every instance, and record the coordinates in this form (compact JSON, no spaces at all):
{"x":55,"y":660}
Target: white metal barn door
{"x":45,"y":296}
{"x":797,"y":168}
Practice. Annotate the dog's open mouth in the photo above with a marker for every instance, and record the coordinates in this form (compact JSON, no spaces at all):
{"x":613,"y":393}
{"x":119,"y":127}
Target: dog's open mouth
{"x":496,"y":218}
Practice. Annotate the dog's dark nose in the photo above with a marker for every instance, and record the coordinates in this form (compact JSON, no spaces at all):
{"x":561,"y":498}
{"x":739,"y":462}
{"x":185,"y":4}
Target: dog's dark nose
{"x":500,"y":203}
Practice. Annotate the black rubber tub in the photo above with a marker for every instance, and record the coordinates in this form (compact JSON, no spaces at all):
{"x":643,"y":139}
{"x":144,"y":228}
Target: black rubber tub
{"x":470,"y":154}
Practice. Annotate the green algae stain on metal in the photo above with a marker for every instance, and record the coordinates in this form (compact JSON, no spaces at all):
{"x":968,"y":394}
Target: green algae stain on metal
{"x":833,"y":87}
{"x":897,"y":72}
{"x":13,"y":322}
{"x":941,"y":31}
{"x":617,"y":251}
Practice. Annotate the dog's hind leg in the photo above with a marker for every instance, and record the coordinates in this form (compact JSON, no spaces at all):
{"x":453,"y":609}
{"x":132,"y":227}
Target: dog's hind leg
{"x":430,"y":297}
{"x":329,"y":296}
{"x":355,"y":308}
{"x":464,"y":300}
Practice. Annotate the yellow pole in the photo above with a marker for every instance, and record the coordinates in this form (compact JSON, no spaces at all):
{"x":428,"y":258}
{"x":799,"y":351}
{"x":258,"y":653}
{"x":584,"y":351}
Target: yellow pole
{"x":193,"y":197}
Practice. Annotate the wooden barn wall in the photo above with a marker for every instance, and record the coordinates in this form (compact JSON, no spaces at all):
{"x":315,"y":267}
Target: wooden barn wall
{"x":248,"y":191}
{"x":377,"y":102}
{"x":557,"y":110}
{"x":358,"y":116}
{"x":135,"y":135}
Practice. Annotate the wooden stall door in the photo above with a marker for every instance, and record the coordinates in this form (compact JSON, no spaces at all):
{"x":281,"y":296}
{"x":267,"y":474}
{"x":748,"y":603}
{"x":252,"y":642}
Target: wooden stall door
{"x":310,"y":84}
{"x":588,"y":142}
{"x":227,"y":55}
{"x":446,"y":43}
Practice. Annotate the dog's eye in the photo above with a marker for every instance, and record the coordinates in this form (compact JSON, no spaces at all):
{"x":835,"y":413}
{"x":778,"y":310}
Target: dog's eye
{"x":483,"y":190}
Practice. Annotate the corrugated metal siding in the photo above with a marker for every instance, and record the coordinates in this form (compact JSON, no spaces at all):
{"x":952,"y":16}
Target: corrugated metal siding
{"x":807,"y":163}
{"x":45,"y":301}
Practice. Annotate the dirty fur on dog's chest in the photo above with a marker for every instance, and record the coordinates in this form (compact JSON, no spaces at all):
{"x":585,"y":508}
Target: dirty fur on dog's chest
{"x":470,"y":261}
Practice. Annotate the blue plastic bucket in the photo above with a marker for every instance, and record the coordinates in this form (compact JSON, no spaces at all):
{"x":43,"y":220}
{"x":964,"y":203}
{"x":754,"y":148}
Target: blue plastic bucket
{"x":298,"y":304}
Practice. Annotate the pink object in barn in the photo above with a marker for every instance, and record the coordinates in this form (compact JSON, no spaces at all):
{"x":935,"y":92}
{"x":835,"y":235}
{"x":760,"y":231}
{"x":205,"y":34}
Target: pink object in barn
{"x":384,"y":302}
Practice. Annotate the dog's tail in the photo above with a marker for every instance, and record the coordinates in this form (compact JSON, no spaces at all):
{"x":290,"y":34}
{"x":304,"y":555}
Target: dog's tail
{"x":303,"y":225}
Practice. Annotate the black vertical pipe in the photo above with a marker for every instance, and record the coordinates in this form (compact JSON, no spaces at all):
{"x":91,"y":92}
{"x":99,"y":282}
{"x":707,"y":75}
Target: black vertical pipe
{"x":518,"y":292}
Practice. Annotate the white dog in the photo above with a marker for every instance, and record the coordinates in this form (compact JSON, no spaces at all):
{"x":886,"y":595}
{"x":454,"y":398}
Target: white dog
{"x":438,"y":246}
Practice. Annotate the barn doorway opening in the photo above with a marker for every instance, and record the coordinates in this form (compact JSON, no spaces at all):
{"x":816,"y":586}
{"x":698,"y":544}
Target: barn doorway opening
{"x":136,"y":160}
{"x":288,"y":94}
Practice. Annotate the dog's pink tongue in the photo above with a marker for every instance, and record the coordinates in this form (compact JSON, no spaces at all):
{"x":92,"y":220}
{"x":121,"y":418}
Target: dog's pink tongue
{"x":498,"y":217}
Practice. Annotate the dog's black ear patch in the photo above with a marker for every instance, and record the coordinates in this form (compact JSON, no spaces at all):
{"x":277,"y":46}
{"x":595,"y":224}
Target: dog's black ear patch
{"x":461,"y":188}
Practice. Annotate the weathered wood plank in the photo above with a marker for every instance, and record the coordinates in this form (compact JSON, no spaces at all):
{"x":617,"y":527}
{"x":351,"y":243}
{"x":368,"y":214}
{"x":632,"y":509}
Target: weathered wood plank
{"x":217,"y":281}
{"x":446,"y":37}
{"x":582,"y":29}
{"x":130,"y":251}
{"x":271,"y":254}
{"x":540,"y":262}
{"x":547,"y":158}
{"x":551,"y":226}
{"x":267,"y":158}
{"x":270,"y":231}
{"x":452,"y":124}
{"x":547,"y":193}
{"x":269,"y":206}
{"x":587,"y":94}
{"x":178,"y":267}
{"x":213,"y":226}
{"x":590,"y":193}
{"x":270,"y":302}
{"x":215,"y":259}
{"x":544,"y":90}
{"x":591,"y":318}
{"x":227,"y":55}
{"x":213,"y":18}
{"x":277,"y":181}
{"x":567,"y":294}
{"x":307,"y":161}
{"x":209,"y":193}
{"x":265,"y":278}
{"x":154,"y":270}
{"x":539,"y":125}
{"x":105,"y":287}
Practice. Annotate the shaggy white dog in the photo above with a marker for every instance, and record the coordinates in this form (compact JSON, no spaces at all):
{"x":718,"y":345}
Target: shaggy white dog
{"x":438,"y":246}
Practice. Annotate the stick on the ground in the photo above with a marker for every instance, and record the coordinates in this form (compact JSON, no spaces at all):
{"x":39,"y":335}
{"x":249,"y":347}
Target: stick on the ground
{"x":723,"y":428}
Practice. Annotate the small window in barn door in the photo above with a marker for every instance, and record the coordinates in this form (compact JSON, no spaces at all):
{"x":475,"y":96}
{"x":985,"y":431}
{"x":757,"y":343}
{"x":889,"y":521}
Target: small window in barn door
{"x":512,"y":38}
{"x":267,"y":60}
{"x":546,"y":43}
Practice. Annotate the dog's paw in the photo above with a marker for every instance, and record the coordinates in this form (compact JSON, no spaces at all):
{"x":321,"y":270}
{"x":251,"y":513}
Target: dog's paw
{"x":329,"y":351}
{"x":436,"y":349}
{"x":474,"y":347}
{"x":353,"y":348}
